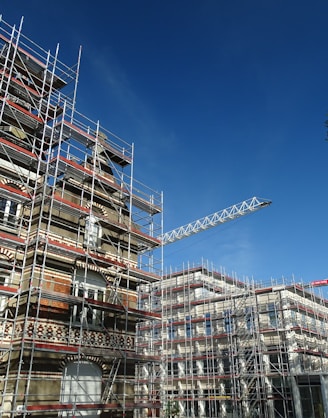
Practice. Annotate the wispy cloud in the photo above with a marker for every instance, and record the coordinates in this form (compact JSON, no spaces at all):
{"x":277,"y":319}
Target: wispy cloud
{"x":238,"y":252}
{"x":114,"y":79}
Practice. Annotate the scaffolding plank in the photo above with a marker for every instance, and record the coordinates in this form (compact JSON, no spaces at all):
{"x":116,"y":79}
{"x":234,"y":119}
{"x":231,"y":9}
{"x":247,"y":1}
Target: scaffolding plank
{"x":91,"y":406}
{"x":11,"y":240}
{"x":56,"y":348}
{"x":13,"y":193}
{"x":88,"y":139}
{"x":60,"y":202}
{"x":32,"y":66}
{"x":23,"y":116}
{"x":18,"y":153}
{"x":145,"y":205}
{"x":69,"y":166}
{"x":66,"y":249}
{"x":24,"y":90}
{"x":8,"y":291}
{"x":145,"y":275}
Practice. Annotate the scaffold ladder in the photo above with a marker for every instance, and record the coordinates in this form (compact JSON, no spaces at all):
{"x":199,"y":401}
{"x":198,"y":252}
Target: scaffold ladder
{"x":108,"y":390}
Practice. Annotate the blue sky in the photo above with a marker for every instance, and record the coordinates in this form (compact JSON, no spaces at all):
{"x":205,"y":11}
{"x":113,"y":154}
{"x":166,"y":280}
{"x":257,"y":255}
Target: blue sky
{"x":224,"y":100}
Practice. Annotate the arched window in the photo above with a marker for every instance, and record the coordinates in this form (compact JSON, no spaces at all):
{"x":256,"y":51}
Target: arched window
{"x":92,"y":287}
{"x":81,"y":384}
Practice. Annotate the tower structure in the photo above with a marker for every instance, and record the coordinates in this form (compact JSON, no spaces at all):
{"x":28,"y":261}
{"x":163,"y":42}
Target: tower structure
{"x":77,"y":234}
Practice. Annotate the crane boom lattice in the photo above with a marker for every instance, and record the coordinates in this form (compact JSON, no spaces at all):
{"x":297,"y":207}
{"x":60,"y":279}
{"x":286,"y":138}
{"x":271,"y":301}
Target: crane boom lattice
{"x":225,"y":215}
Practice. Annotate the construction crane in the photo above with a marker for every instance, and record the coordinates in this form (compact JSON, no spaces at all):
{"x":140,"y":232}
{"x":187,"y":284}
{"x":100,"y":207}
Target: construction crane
{"x":318,"y":283}
{"x":225,"y":215}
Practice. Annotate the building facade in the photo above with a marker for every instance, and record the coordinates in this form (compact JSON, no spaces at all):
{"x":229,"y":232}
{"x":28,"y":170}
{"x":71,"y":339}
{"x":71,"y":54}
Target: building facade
{"x":236,"y":349}
{"x":77,"y":235}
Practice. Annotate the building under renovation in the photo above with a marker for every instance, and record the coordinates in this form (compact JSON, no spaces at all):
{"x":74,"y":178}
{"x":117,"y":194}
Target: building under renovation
{"x":236,"y":349}
{"x":89,"y":325}
{"x":77,"y":234}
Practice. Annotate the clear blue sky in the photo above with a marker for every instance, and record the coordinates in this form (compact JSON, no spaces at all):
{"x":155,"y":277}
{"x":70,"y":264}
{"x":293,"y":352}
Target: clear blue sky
{"x":224,"y":100}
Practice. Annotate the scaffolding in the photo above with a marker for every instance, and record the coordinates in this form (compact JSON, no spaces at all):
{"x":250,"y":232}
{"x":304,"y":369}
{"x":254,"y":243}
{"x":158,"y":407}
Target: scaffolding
{"x":236,"y":348}
{"x":77,"y":239}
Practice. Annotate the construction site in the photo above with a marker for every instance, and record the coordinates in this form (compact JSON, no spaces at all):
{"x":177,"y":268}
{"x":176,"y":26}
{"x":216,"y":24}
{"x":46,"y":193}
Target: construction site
{"x":76,"y":233}
{"x":236,"y":348}
{"x":90,"y":325}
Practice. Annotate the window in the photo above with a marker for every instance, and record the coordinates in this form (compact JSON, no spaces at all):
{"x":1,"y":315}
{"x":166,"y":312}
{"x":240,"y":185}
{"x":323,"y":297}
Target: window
{"x":313,"y":324}
{"x":93,"y":232}
{"x":228,"y":321}
{"x":293,"y":318}
{"x":272,"y":315}
{"x":5,"y":274}
{"x":9,"y":212}
{"x":249,"y":315}
{"x":156,"y":334}
{"x":81,"y":383}
{"x":92,"y":287}
{"x":226,"y":362}
{"x":171,"y":330}
{"x":188,"y":327}
{"x":208,"y":324}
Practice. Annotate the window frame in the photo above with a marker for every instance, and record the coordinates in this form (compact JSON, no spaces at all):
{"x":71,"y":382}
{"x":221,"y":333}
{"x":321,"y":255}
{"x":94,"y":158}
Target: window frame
{"x":9,"y":212}
{"x":82,"y":313}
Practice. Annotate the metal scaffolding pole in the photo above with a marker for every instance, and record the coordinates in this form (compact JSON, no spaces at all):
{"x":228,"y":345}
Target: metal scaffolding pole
{"x":73,"y":225}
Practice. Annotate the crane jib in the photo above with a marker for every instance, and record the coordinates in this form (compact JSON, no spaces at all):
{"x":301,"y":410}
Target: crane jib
{"x":225,"y":215}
